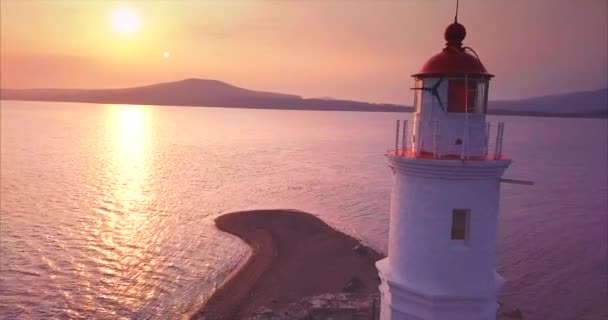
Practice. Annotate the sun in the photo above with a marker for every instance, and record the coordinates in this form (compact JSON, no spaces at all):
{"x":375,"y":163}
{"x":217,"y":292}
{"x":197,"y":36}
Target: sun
{"x":125,"y":20}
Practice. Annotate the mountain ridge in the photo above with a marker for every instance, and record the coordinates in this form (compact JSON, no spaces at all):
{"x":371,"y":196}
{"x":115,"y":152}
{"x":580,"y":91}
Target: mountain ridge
{"x":195,"y":92}
{"x":214,"y":93}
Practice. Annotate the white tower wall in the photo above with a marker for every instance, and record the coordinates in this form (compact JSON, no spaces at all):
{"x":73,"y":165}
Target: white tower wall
{"x":427,"y":274}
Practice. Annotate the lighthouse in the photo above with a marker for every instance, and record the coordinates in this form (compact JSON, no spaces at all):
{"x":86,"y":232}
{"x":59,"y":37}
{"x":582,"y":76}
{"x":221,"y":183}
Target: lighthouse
{"x":445,"y":195}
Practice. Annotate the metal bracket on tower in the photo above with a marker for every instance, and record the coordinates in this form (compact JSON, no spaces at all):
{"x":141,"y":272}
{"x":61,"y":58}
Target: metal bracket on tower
{"x":516,"y":181}
{"x":397,"y":138}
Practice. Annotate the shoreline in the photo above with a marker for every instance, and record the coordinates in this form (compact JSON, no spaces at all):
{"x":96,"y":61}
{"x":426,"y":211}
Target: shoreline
{"x":293,"y":255}
{"x":596,"y":114}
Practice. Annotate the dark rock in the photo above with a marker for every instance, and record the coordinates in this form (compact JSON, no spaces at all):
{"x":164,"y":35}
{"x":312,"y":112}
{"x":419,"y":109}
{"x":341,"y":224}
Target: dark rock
{"x":515,"y":313}
{"x":507,"y":313}
{"x":264,"y":313}
{"x":353,"y":285}
{"x":359,"y":249}
{"x":338,"y":306}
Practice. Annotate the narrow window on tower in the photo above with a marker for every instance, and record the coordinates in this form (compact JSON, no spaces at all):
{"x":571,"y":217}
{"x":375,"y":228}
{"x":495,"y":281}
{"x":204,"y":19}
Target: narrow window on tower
{"x":460,"y":224}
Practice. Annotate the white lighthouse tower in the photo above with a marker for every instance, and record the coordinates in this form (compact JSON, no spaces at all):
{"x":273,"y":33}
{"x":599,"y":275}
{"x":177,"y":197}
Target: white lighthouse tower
{"x":444,"y":202}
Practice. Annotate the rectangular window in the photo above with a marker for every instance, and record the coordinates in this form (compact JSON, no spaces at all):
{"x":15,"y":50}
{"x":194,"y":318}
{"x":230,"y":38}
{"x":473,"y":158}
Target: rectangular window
{"x":459,"y":99}
{"x":460,"y":224}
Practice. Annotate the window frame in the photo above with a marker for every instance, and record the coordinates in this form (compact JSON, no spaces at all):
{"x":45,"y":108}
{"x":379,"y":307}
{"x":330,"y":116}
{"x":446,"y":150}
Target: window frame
{"x":466,"y":225}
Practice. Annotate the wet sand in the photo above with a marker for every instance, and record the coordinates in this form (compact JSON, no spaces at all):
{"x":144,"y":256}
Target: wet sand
{"x":293,"y":255}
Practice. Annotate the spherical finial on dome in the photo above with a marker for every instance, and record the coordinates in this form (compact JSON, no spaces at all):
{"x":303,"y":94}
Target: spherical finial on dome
{"x":454,"y":34}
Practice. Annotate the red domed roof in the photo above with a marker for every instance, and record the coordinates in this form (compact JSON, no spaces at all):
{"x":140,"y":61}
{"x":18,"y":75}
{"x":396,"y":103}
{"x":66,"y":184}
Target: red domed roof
{"x":454,"y":60}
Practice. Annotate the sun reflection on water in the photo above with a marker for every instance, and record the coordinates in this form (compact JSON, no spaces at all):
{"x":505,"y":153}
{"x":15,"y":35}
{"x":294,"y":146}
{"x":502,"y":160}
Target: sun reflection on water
{"x":131,"y":143}
{"x":127,"y":230}
{"x":130,"y":127}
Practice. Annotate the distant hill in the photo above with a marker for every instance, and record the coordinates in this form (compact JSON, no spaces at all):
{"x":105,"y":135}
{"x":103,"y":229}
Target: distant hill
{"x":195,"y":92}
{"x":593,"y":104}
{"x":213,"y":93}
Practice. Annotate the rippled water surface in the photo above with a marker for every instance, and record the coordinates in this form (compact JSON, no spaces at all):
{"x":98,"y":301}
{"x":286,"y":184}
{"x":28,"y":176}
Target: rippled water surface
{"x":107,"y":210}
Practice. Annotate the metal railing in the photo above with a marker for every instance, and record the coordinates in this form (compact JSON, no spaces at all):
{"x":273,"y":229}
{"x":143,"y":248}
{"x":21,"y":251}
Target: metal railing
{"x":417,"y":142}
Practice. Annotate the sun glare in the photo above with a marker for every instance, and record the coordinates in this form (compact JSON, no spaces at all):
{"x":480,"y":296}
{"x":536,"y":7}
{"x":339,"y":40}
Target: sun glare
{"x":125,"y":20}
{"x":131,"y":118}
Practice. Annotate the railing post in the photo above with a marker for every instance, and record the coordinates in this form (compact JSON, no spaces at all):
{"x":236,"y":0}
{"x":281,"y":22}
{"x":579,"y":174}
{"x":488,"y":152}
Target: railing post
{"x":419,"y":142}
{"x":438,"y":139}
{"x":434,"y":138}
{"x":397,"y":138}
{"x":488,"y":130}
{"x":416,"y":135}
{"x":403,"y":138}
{"x":502,"y":134}
{"x":497,"y":141}
{"x":465,"y":141}
{"x":499,"y":135}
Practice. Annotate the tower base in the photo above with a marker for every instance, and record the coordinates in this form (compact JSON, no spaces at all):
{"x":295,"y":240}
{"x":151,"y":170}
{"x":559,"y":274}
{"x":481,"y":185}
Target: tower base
{"x":400,"y":302}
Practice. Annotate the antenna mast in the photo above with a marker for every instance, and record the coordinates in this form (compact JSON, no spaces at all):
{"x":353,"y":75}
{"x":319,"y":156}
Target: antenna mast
{"x":456,"y":16}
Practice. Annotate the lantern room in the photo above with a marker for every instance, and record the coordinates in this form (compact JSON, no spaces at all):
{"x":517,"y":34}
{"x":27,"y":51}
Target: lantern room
{"x":451,"y":97}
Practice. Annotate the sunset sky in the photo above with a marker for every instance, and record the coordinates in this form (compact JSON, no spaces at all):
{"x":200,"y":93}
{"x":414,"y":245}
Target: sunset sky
{"x":361,"y":50}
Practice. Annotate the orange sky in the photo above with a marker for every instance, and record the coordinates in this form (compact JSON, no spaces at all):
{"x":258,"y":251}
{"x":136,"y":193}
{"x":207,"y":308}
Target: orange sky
{"x":362,"y":50}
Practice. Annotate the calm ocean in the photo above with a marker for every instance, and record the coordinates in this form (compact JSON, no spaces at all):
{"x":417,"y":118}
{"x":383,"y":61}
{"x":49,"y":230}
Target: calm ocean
{"x":107,"y":210}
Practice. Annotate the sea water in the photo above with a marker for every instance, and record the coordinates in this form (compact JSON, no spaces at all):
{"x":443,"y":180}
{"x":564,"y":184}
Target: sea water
{"x":107,"y":210}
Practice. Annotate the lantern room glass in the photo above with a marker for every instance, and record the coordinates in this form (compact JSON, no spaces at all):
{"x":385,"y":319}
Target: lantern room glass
{"x":467,"y":96}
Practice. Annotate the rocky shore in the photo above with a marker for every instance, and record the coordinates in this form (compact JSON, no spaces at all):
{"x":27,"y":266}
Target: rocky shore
{"x":299,"y":268}
{"x":294,"y":255}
